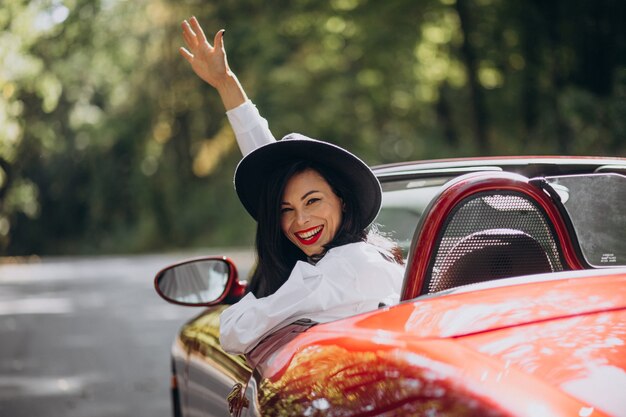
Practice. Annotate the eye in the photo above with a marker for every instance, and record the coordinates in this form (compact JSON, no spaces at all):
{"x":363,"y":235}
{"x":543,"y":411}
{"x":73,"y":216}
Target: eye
{"x":285,"y":210}
{"x":312,"y":201}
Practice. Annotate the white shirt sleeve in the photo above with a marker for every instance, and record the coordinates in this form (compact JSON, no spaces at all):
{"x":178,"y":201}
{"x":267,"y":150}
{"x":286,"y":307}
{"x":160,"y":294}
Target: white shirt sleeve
{"x":245,"y":323}
{"x":350,"y":279}
{"x":251,"y":129}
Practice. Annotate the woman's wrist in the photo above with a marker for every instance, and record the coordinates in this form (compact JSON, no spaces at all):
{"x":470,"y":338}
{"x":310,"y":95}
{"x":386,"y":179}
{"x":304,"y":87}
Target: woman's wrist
{"x":231,"y":92}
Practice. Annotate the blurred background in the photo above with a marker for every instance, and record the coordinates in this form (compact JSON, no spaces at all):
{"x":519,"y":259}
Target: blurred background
{"x":109,"y":143}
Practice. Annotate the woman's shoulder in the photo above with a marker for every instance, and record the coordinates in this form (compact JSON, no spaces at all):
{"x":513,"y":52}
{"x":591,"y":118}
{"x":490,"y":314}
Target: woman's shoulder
{"x":356,"y":247}
{"x":361,"y":253}
{"x":356,"y":250}
{"x":364,"y":261}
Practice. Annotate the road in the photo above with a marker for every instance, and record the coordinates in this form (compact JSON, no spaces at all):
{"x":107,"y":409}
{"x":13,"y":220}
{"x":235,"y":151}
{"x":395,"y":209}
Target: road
{"x":88,"y":337}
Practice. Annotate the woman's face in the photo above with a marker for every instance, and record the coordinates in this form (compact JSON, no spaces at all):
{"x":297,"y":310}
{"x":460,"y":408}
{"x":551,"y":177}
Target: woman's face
{"x":310,"y":212}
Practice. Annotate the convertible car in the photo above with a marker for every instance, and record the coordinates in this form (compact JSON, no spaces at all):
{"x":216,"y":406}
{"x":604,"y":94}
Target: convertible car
{"x":513,"y":304}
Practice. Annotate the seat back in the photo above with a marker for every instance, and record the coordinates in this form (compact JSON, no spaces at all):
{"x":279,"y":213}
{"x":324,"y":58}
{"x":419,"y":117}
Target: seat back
{"x":486,"y":226}
{"x":488,"y":255}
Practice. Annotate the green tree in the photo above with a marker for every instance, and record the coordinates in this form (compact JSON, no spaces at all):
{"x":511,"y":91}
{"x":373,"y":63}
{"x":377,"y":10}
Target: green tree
{"x":109,"y":142}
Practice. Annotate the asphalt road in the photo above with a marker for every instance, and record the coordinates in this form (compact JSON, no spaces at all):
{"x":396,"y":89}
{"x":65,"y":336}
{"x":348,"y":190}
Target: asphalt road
{"x":88,"y":337}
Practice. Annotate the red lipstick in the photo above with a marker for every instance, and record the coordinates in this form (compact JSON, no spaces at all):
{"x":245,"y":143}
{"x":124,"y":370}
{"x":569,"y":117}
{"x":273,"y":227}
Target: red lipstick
{"x":310,"y":239}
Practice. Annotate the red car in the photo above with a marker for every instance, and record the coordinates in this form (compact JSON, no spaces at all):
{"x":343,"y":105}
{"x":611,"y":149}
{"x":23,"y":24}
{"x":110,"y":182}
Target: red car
{"x":514,"y":304}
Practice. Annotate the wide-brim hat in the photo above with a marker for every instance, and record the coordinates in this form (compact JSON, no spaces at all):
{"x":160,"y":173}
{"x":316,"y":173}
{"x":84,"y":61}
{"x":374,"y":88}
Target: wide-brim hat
{"x":255,"y":167}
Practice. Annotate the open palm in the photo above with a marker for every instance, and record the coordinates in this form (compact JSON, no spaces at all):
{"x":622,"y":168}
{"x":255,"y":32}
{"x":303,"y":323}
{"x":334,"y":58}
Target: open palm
{"x":208,"y":62}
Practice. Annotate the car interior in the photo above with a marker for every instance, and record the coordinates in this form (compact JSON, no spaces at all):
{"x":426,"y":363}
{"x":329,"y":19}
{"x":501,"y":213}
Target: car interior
{"x":504,"y":225}
{"x":486,"y":226}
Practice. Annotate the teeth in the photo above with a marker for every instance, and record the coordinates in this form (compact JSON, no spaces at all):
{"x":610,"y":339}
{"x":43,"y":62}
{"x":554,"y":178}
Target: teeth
{"x":311,"y":233}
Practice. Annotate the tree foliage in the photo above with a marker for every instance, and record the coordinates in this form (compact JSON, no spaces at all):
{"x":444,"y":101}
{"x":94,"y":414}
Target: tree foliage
{"x":109,"y":143}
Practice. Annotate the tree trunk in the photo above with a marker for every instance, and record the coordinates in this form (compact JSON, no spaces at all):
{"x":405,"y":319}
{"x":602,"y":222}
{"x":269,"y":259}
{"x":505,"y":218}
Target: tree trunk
{"x":479,"y":123}
{"x":444,"y":116}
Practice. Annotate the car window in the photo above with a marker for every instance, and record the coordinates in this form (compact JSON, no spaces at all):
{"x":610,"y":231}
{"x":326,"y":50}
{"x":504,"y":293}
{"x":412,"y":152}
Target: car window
{"x":595,"y":205}
{"x":404,"y":202}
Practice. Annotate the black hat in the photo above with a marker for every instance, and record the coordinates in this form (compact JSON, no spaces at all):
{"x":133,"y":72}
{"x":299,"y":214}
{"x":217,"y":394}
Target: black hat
{"x":255,"y":167}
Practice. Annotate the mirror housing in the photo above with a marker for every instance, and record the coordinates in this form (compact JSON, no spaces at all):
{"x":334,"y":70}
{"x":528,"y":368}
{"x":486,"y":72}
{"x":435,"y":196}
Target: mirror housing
{"x":206,"y":281}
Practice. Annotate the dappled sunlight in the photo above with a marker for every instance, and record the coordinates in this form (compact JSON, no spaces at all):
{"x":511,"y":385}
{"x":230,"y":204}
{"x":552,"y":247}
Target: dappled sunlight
{"x":436,"y":62}
{"x":490,"y":77}
{"x":212,"y":151}
{"x":48,"y":18}
{"x":106,"y":131}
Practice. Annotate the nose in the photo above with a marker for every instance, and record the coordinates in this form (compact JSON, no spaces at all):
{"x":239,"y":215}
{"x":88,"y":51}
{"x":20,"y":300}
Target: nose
{"x":302,"y":217}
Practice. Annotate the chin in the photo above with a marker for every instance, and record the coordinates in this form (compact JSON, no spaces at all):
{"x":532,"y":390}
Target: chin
{"x":313,"y":251}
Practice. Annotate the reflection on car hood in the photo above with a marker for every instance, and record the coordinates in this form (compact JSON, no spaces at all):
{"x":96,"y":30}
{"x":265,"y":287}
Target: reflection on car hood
{"x":458,"y":314}
{"x":557,"y":342}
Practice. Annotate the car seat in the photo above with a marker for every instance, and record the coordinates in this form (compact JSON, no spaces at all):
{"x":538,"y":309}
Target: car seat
{"x":491,"y":254}
{"x":484,"y":226}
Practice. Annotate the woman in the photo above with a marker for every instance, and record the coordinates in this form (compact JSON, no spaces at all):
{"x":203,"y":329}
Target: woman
{"x":313,"y":202}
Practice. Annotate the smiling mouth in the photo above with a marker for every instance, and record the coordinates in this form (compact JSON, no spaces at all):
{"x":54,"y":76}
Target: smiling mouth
{"x":309,"y":236}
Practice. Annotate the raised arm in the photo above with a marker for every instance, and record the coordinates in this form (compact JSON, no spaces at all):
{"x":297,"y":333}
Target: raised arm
{"x":210,"y":63}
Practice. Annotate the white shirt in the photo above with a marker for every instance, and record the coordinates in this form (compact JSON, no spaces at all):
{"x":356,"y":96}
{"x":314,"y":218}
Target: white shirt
{"x":251,"y":130}
{"x":348,"y":280}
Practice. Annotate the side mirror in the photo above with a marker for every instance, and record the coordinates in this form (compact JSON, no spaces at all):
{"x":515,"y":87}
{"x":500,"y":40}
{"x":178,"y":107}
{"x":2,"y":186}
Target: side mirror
{"x":200,"y":282}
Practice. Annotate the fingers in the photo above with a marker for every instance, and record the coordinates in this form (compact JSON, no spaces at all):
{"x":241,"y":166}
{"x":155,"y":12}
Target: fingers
{"x":189,"y":36}
{"x":194,"y":37}
{"x":198,"y":29}
{"x":186,"y":54}
{"x":218,"y":41}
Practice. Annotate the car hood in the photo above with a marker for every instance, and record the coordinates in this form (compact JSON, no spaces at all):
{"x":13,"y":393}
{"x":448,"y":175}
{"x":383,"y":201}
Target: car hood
{"x":477,"y":309}
{"x":557,"y":339}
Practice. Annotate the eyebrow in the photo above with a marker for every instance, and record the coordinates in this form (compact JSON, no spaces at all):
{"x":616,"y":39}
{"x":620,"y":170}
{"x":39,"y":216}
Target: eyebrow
{"x":303,"y":197}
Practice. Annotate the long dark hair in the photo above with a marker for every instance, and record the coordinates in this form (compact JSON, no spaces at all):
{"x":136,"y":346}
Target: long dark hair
{"x":277,"y":255}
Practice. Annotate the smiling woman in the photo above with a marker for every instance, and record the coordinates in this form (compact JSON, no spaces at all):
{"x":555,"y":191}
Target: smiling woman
{"x":310,"y":212}
{"x":313,"y":202}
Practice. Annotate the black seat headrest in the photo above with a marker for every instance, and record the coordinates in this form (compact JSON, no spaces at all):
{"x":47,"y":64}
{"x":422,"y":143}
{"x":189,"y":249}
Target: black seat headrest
{"x":492,"y":254}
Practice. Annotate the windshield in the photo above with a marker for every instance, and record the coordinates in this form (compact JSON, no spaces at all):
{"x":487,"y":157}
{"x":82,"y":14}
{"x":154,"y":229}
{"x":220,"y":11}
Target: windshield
{"x":403,"y":204}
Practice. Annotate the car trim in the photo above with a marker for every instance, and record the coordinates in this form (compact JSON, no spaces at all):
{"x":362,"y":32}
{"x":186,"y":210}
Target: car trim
{"x":435,"y":172}
{"x":502,"y":161}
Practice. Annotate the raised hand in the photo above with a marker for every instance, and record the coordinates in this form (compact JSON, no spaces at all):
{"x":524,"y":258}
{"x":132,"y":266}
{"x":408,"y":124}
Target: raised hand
{"x":209,"y":62}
